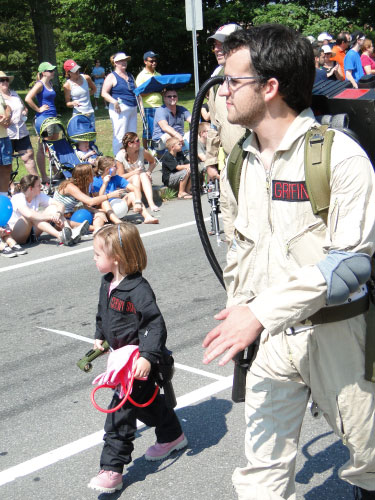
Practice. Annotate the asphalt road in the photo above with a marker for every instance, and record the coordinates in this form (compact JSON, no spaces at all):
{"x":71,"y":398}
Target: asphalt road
{"x":50,"y":434}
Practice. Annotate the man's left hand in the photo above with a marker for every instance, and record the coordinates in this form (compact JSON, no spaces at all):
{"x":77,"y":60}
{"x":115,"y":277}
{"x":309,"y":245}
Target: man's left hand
{"x":239,"y":329}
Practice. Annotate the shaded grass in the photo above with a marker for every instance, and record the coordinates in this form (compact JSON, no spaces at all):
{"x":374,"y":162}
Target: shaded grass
{"x":103,"y":125}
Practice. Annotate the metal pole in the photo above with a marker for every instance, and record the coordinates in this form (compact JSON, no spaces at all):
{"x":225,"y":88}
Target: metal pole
{"x":195,"y":51}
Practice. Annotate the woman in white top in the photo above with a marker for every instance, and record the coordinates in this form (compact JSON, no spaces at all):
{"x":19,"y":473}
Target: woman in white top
{"x":130,"y":164}
{"x":77,"y":91}
{"x":17,"y":130}
{"x":33,"y":213}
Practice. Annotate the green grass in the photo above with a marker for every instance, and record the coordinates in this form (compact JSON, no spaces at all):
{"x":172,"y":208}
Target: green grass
{"x":103,"y":125}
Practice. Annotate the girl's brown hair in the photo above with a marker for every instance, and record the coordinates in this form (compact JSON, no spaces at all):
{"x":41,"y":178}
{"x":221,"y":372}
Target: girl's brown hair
{"x":123,"y":243}
{"x":103,"y":164}
{"x":81,"y":177}
{"x":26,"y":182}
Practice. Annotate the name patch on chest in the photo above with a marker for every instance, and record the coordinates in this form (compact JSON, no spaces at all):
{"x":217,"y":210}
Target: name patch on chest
{"x":289,"y":191}
{"x":122,"y":305}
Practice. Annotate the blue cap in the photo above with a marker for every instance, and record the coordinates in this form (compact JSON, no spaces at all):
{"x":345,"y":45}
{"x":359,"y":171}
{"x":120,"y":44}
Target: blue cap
{"x":150,"y":53}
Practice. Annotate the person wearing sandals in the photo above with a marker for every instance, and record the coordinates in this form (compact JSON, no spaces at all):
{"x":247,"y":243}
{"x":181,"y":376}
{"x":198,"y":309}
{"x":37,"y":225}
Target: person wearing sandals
{"x":77,"y":91}
{"x":45,"y":95}
{"x":17,"y":130}
{"x":131,"y":165}
{"x":118,"y":91}
{"x":34,"y":213}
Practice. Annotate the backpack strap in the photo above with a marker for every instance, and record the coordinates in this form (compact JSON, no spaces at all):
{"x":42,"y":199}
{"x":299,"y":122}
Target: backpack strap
{"x":318,"y":144}
{"x":235,"y":162}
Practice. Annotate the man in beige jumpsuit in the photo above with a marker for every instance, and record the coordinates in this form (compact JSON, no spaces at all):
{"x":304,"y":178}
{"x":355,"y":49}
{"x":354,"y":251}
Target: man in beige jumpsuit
{"x":278,"y":276}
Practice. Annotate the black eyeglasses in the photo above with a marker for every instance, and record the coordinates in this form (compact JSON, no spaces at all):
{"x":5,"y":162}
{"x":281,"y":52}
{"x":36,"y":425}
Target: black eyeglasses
{"x":229,"y":81}
{"x":4,"y":80}
{"x":171,"y":97}
{"x":151,"y":60}
{"x":134,"y":141}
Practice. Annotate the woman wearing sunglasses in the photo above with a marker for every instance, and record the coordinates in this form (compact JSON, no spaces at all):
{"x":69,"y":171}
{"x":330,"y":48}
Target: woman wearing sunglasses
{"x":17,"y":130}
{"x":131,"y":165}
{"x":44,"y":107}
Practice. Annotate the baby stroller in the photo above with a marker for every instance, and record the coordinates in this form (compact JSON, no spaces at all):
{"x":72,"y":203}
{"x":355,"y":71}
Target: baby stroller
{"x":80,"y":129}
{"x":61,"y":156}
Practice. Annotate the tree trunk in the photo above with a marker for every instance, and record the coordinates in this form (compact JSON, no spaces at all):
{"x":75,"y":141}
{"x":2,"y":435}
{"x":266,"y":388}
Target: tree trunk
{"x":42,"y":20}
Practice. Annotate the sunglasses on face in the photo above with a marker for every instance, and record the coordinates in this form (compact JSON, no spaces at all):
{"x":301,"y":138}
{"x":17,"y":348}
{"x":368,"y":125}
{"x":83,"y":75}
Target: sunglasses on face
{"x":171,"y":97}
{"x":2,"y":80}
{"x":135,"y":141}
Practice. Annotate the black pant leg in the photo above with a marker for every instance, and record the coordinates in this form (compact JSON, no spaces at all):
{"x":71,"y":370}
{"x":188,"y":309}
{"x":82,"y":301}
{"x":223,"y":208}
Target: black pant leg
{"x":120,"y":428}
{"x":157,"y":414}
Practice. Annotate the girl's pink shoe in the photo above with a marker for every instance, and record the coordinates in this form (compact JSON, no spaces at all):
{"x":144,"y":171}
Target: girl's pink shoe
{"x":161,"y":450}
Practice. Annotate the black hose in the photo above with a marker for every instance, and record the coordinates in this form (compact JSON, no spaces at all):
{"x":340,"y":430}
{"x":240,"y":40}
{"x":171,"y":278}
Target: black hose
{"x":195,"y":119}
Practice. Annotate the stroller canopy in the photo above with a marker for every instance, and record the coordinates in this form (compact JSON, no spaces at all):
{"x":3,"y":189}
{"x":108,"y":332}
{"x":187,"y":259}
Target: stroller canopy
{"x":41,"y":123}
{"x":80,"y":129}
{"x":159,"y":83}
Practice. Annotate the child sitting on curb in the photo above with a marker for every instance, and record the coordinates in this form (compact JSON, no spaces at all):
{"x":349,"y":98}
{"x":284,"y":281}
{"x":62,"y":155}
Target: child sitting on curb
{"x":176,"y":169}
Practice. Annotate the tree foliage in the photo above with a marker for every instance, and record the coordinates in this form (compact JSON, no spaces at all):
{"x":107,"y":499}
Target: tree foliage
{"x":56,"y":30}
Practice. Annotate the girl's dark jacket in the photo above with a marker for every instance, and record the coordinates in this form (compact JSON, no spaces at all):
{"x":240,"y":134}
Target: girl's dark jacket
{"x":130,"y":316}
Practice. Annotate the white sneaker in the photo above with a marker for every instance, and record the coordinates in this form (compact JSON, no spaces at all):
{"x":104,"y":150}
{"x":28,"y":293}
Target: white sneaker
{"x":80,"y":230}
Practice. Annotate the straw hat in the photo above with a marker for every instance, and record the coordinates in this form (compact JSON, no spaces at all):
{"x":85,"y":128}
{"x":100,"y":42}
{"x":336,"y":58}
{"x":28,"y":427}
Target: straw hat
{"x":3,"y":75}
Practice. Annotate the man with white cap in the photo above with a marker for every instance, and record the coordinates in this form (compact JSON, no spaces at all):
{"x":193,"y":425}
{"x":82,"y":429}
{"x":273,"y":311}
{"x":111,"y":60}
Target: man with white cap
{"x":325,"y":38}
{"x":222,"y":135}
{"x":152,"y":100}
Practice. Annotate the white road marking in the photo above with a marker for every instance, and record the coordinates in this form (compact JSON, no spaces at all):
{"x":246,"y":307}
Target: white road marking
{"x":177,"y":365}
{"x":88,"y":249}
{"x":70,"y":449}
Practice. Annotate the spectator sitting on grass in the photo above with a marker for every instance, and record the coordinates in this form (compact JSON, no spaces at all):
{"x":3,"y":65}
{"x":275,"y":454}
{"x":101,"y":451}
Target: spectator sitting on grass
{"x":106,"y":181}
{"x":176,"y":169}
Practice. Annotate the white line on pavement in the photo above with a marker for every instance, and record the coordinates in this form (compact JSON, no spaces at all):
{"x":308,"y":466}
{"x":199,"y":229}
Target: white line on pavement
{"x":88,"y":249}
{"x":68,"y":450}
{"x":177,"y":365}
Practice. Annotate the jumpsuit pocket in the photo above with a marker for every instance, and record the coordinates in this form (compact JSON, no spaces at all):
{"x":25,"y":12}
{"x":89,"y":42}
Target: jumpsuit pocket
{"x":246,"y":256}
{"x":306,"y":247}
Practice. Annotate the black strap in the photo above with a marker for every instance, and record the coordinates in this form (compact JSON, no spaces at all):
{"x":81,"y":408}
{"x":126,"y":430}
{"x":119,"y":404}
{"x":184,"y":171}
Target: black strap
{"x":339,"y":313}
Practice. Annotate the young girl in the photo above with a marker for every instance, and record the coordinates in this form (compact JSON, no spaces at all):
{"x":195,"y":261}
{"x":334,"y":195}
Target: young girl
{"x":120,"y":255}
{"x":106,"y":181}
{"x":75,"y":190}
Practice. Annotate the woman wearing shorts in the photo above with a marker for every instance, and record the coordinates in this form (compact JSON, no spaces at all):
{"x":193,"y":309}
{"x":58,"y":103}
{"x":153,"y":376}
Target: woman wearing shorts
{"x":98,"y":75}
{"x":118,"y":90}
{"x":77,"y":91}
{"x":17,"y":130}
{"x":43,"y":92}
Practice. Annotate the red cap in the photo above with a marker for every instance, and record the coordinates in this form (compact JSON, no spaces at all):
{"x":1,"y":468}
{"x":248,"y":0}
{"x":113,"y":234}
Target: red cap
{"x":71,"y":65}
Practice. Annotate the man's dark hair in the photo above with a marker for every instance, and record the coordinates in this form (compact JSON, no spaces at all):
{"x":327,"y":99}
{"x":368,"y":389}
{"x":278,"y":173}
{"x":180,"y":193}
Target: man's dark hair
{"x":342,"y":37}
{"x":279,"y":52}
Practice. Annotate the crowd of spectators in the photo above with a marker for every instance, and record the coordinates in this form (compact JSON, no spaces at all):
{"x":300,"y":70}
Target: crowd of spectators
{"x":344,"y":57}
{"x":347,"y":57}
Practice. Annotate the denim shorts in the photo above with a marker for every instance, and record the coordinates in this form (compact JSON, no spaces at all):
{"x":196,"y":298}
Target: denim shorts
{"x":5,"y":151}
